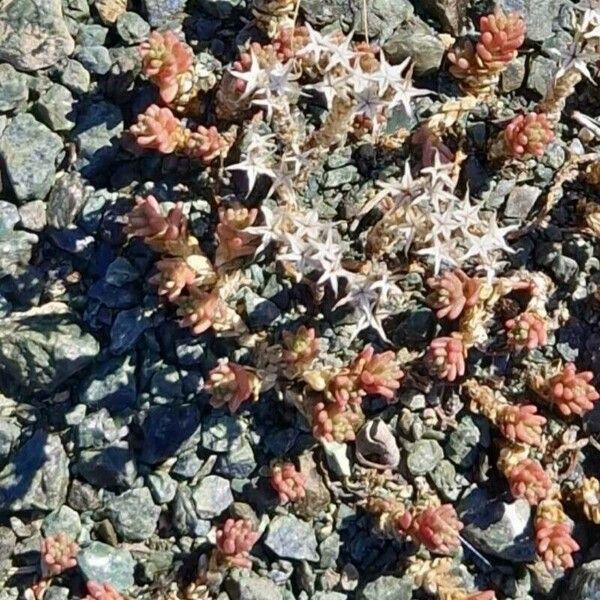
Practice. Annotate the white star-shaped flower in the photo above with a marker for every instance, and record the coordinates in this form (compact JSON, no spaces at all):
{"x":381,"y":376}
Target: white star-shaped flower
{"x":255,"y":77}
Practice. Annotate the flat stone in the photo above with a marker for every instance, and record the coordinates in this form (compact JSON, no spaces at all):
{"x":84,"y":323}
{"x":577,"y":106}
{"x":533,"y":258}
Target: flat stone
{"x":424,"y":456}
{"x":387,"y":587}
{"x":162,"y":487}
{"x":96,"y":59}
{"x":163,"y":12}
{"x":44,"y":346}
{"x":100,"y":562}
{"x":37,"y":476}
{"x":13,"y":88}
{"x":133,"y":514}
{"x":132,"y":28}
{"x":112,"y":467}
{"x":74,"y":76}
{"x":289,"y":537}
{"x":246,"y":585}
{"x":64,"y":520}
{"x":238,"y":463}
{"x":33,"y":34}
{"x":541,"y":73}
{"x":55,"y":108}
{"x":15,"y":251}
{"x":33,"y":215}
{"x":382,"y":17}
{"x":9,"y":216}
{"x":110,"y":10}
{"x":127,"y":328}
{"x":451,"y":14}
{"x":521,"y":200}
{"x":30,"y":152}
{"x":539,"y":15}
{"x":185,"y":518}
{"x":512,"y":78}
{"x":212,"y":496}
{"x":67,"y":197}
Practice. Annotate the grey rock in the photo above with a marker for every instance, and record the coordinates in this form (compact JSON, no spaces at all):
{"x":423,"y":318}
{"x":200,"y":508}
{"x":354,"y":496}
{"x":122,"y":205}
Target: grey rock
{"x":538,"y":14}
{"x":564,"y":268}
{"x":91,"y":35}
{"x":9,"y":216}
{"x":220,"y":433}
{"x":188,"y":465}
{"x":7,"y":543}
{"x":13,"y":88}
{"x":120,"y":272}
{"x":289,"y":537}
{"x":382,"y":17}
{"x":239,"y":462}
{"x":99,"y":127}
{"x":167,"y":431}
{"x":541,"y":73}
{"x":416,"y":39}
{"x":9,"y":434}
{"x":55,"y":108}
{"x":30,"y":152}
{"x":67,"y":198}
{"x":64,"y":520}
{"x":462,"y":444}
{"x":585,"y":581}
{"x":74,"y":76}
{"x":329,"y":549}
{"x":57,"y":592}
{"x":100,"y":562}
{"x":33,"y":34}
{"x":133,"y":514}
{"x":112,"y":467}
{"x":424,"y":456}
{"x":387,"y":587}
{"x":96,"y":59}
{"x":443,"y":478}
{"x":83,"y":497}
{"x":43,"y":347}
{"x":451,"y":14}
{"x":498,"y":528}
{"x":162,"y":487}
{"x":112,"y":385}
{"x":33,"y":215}
{"x":163,"y":12}
{"x":261,"y":312}
{"x":127,"y":328}
{"x":212,"y":496}
{"x":521,"y":200}
{"x":323,"y":12}
{"x":245,"y":585}
{"x":185,"y":519}
{"x":15,"y":251}
{"x":37,"y":476}
{"x":339,"y":177}
{"x":132,"y":28}
{"x":98,"y":430}
{"x":512,"y":78}
{"x":220,"y":9}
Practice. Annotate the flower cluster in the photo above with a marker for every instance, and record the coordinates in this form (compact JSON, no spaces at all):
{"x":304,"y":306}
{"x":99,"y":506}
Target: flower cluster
{"x":235,"y":540}
{"x":288,"y":482}
{"x":477,"y":66}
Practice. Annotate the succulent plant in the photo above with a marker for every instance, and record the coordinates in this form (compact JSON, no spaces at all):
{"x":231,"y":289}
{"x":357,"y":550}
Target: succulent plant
{"x":527,"y":330}
{"x":529,"y":480}
{"x":147,"y":220}
{"x":288,"y":482}
{"x":301,"y":347}
{"x":521,"y":423}
{"x":571,"y":392}
{"x":554,"y":544}
{"x":234,"y":242}
{"x":235,"y":540}
{"x":437,"y":528}
{"x":334,"y":422}
{"x":446,"y":357}
{"x":453,"y":291}
{"x":528,"y":135}
{"x":58,"y":554}
{"x":231,"y":384}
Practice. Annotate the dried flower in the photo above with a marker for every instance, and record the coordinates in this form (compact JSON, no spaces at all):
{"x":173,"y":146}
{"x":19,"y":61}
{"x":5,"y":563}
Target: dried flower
{"x":173,"y":276}
{"x":273,"y":15}
{"x":159,"y":129}
{"x":377,"y":374}
{"x":146,"y":220}
{"x":231,"y":384}
{"x":527,"y":330}
{"x":333,"y":422}
{"x":446,"y":357}
{"x":528,"y":134}
{"x":102,"y":591}
{"x":520,"y":423}
{"x":437,"y":528}
{"x":571,"y":392}
{"x":57,"y":554}
{"x":288,"y":482}
{"x":587,"y":495}
{"x":453,"y":291}
{"x":529,"y":480}
{"x":164,"y":58}
{"x":501,"y":36}
{"x":235,"y":540}
{"x":202,"y":310}
{"x":233,"y":241}
{"x":554,"y":544}
{"x":301,"y":346}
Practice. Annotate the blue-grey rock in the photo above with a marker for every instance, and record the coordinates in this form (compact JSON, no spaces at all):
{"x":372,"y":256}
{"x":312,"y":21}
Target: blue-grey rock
{"x":97,"y":133}
{"x":15,"y":251}
{"x":187,"y":465}
{"x":96,"y":59}
{"x":101,"y":562}
{"x":33,"y":215}
{"x":133,"y":514}
{"x":112,"y":467}
{"x":212,"y":496}
{"x":564,"y":269}
{"x":382,"y":17}
{"x":42,"y":347}
{"x":585,"y":582}
{"x":329,"y":549}
{"x":64,"y":520}
{"x":9,"y":216}
{"x":185,"y":519}
{"x":220,"y":433}
{"x":30,"y":152}
{"x":424,"y":456}
{"x":238,"y":463}
{"x":163,"y":12}
{"x":91,"y":35}
{"x":289,"y":537}
{"x":498,"y":528}
{"x":9,"y":434}
{"x":33,"y":34}
{"x":120,"y":272}
{"x":162,"y":487}
{"x":387,"y":587}
{"x":98,"y":430}
{"x":37,"y":476}
{"x":93,"y":210}
{"x":167,"y":431}
{"x":112,"y":385}
{"x":55,"y":108}
{"x":8,"y":541}
{"x":67,"y":197}
{"x":74,"y":76}
{"x":127,"y":328}
{"x":541,"y":73}
{"x":132,"y":28}
{"x":112,"y":296}
{"x":74,"y":241}
{"x":463,"y":443}
{"x":243,"y":584}
{"x":13,"y":88}
{"x":261,"y":312}
{"x":538,"y":15}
